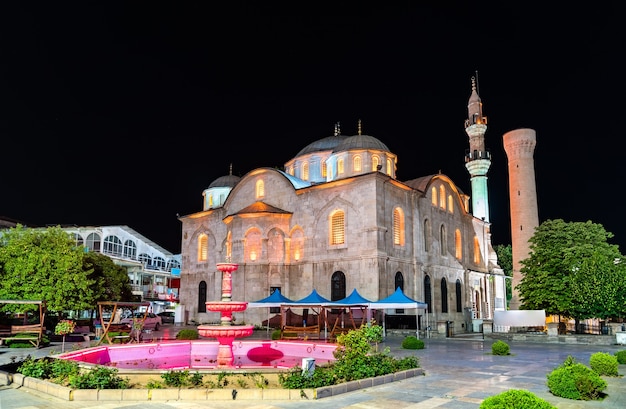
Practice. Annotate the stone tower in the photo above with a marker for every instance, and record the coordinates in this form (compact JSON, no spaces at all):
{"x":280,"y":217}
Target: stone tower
{"x":520,"y":146}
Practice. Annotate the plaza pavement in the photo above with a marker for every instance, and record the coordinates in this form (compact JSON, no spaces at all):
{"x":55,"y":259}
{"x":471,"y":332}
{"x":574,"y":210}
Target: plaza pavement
{"x":459,"y":374}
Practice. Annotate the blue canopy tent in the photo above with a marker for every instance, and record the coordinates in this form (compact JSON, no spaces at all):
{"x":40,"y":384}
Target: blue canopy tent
{"x":312,"y":301}
{"x":275,"y":299}
{"x":354,"y":300}
{"x":399,"y":300}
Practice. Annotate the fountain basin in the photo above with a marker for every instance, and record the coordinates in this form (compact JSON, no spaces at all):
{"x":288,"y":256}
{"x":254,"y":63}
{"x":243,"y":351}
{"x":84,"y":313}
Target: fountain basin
{"x":224,"y":331}
{"x":226,"y":306}
{"x":202,"y":355}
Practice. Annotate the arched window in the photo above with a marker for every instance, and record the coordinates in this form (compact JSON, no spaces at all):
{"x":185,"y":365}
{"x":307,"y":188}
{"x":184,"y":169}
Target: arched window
{"x":305,"y":171}
{"x":433,"y":195}
{"x":442,"y":197}
{"x":203,"y":247}
{"x":459,"y":300}
{"x":252,"y":245}
{"x":442,"y":239}
{"x":338,"y":286}
{"x":337,"y":228}
{"x":93,"y":242}
{"x":202,"y":296}
{"x":428,"y":294}
{"x":398,"y":227}
{"x":444,"y":295}
{"x":130,"y":250}
{"x":211,"y":200}
{"x":450,"y":204}
{"x":389,"y":167}
{"x":260,"y":189}
{"x":324,"y":169}
{"x":375,"y":163}
{"x":476,"y":251}
{"x":458,"y":244}
{"x":356,"y":163}
{"x":427,"y":235}
{"x":113,"y":246}
{"x":340,"y":167}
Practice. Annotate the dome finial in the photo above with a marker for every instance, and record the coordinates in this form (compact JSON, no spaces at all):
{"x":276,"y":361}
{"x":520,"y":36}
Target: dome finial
{"x":473,"y":83}
{"x":359,"y":127}
{"x":230,"y":171}
{"x":337,"y":129}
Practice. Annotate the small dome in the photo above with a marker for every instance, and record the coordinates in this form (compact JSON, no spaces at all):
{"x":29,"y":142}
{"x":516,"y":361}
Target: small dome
{"x":225,"y":181}
{"x":361,"y":142}
{"x":325,"y":144}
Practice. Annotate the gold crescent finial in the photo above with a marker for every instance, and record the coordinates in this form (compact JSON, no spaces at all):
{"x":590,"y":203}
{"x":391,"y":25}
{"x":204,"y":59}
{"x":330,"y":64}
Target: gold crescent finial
{"x":359,"y":127}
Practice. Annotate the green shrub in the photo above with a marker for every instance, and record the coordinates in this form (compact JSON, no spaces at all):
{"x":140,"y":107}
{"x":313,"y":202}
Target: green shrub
{"x":573,"y":380}
{"x":276,"y":334}
{"x":412,"y":342}
{"x":100,"y":377}
{"x":604,"y":363}
{"x":187,"y":334}
{"x":500,"y":348}
{"x":515,"y":399}
{"x":621,"y":356}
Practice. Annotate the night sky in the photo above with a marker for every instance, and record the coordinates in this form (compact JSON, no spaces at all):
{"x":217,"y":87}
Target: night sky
{"x":123,"y":114}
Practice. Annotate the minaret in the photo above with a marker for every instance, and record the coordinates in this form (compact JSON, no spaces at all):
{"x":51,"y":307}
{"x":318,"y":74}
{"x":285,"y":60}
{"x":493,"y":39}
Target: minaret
{"x":519,"y":146}
{"x":477,"y":158}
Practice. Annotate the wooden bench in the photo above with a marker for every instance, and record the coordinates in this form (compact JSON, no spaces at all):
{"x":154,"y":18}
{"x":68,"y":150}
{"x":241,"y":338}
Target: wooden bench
{"x":124,"y":331}
{"x":34,"y":334}
{"x":309,"y":332}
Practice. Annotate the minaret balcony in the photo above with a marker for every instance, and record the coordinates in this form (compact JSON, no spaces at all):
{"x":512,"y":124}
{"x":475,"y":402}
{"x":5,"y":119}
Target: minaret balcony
{"x":477,"y":155}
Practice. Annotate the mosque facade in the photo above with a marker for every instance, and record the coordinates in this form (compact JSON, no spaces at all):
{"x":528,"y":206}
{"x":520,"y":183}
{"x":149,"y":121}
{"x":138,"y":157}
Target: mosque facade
{"x":335,"y":219}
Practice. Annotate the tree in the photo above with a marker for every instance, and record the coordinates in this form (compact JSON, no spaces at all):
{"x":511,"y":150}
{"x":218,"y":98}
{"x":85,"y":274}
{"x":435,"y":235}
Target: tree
{"x":573,"y":271}
{"x":112,"y":280}
{"x":505,"y":261}
{"x":44,"y":264}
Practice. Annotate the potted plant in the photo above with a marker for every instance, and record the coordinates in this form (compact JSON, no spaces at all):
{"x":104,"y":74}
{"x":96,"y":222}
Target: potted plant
{"x":63,"y":328}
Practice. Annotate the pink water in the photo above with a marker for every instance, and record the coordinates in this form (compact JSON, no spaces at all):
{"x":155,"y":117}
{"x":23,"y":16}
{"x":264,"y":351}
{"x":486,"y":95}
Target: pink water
{"x":199,"y":354}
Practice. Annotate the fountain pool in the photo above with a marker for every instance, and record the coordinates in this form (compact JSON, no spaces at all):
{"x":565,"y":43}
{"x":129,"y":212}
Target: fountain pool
{"x":202,"y":355}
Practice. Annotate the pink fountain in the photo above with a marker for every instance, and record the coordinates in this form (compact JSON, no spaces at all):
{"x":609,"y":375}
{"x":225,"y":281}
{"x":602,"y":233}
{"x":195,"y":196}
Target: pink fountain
{"x":226,"y":332}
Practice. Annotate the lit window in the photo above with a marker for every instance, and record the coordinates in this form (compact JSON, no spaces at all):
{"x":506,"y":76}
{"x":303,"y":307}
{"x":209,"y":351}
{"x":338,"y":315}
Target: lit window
{"x":229,"y":246}
{"x":375,"y":163}
{"x":357,"y":163}
{"x":337,"y":228}
{"x":458,"y":244}
{"x":398,"y":227}
{"x":476,"y":251}
{"x":340,"y":166}
{"x":211,"y":200}
{"x":305,"y":171}
{"x":203,"y":247}
{"x":433,"y":195}
{"x":389,"y":167}
{"x":450,"y":204}
{"x":252,"y":245}
{"x":442,"y":196}
{"x":324,"y":171}
{"x":260,"y":189}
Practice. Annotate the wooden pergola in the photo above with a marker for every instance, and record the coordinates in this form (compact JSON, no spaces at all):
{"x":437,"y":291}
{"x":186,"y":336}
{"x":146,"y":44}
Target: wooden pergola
{"x":36,"y":329}
{"x":114,"y":306}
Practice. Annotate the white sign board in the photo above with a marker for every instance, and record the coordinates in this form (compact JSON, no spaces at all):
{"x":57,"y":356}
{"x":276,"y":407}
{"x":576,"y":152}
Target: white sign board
{"x":520,"y":318}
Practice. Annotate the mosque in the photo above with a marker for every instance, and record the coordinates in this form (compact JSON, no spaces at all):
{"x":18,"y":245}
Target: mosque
{"x":335,"y":219}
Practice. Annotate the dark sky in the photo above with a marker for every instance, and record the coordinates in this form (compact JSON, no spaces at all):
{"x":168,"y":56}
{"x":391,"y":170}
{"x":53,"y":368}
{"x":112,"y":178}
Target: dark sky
{"x":123,"y":114}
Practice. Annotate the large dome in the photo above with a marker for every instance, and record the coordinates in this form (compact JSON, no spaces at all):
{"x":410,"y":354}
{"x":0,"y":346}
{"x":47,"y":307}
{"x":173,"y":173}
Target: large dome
{"x":361,"y":142}
{"x":225,"y":181}
{"x":325,"y":144}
